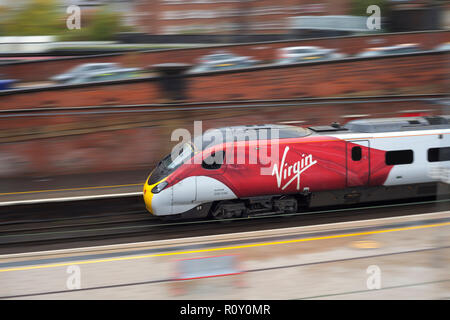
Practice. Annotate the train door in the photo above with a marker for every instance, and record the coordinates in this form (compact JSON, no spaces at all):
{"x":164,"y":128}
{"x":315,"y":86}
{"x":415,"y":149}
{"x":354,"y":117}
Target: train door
{"x":209,"y":188}
{"x":358,"y":163}
{"x":184,"y":191}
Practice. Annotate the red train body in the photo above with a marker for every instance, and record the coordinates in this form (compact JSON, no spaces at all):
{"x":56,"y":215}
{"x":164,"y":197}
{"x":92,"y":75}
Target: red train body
{"x":365,"y":160}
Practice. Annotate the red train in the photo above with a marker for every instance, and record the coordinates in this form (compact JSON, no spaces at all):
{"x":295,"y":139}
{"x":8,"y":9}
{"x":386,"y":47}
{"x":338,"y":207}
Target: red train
{"x":364,"y":160}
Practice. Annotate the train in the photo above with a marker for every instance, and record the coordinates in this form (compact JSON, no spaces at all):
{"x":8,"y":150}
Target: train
{"x":364,"y":160}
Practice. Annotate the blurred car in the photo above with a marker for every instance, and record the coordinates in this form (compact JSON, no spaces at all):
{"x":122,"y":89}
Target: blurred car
{"x":305,"y":54}
{"x":443,"y":47}
{"x":6,"y":84}
{"x":83,"y":70}
{"x":222,"y":60}
{"x":397,"y":49}
{"x":107,"y":75}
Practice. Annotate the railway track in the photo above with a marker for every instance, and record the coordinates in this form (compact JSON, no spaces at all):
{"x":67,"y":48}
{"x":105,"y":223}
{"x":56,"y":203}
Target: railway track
{"x":432,"y":97}
{"x":101,"y":228}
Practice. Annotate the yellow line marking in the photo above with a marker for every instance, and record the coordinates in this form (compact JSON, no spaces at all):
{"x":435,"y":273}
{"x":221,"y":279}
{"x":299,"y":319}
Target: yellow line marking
{"x":224,"y":248}
{"x":72,"y":189}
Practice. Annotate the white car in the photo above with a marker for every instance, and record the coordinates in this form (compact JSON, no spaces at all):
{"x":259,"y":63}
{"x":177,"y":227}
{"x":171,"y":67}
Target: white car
{"x":397,"y":49}
{"x":222,"y":60}
{"x":82,"y":70}
{"x":107,"y":75}
{"x":443,"y":47}
{"x":306,"y":54}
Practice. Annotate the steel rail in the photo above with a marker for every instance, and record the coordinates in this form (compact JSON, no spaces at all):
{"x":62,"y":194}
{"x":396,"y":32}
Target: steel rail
{"x":244,"y":103}
{"x":149,"y":225}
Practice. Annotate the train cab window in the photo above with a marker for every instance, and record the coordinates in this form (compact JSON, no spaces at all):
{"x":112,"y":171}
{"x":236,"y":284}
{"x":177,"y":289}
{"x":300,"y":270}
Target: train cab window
{"x":399,"y":157}
{"x":214,"y":161}
{"x":439,"y":154}
{"x":356,"y":153}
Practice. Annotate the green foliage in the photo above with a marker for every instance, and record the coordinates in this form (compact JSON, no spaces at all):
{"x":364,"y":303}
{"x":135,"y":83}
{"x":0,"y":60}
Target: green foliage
{"x":38,"y":17}
{"x":48,"y":17}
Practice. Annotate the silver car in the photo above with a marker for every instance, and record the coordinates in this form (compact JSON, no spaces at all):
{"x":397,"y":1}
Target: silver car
{"x":443,"y":47}
{"x":306,"y":54}
{"x":397,"y":49}
{"x":222,"y":60}
{"x":83,"y":70}
{"x":107,"y":75}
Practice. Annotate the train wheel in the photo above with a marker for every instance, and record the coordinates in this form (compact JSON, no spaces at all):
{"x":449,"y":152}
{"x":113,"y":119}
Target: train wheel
{"x":218,"y":213}
{"x":293,"y":207}
{"x":227,"y":211}
{"x":286,"y":205}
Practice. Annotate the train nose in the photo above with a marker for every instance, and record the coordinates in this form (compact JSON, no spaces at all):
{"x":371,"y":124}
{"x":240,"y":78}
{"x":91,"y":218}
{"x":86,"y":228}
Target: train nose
{"x":160,"y":205}
{"x":148,"y":195}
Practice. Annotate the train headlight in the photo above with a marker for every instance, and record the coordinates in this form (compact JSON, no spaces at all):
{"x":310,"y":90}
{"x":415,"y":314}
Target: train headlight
{"x":159,"y":187}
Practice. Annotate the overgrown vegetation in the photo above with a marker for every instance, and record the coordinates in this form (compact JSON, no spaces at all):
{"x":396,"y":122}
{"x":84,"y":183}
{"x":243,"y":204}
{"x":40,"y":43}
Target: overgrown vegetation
{"x":37,"y":17}
{"x":48,"y":17}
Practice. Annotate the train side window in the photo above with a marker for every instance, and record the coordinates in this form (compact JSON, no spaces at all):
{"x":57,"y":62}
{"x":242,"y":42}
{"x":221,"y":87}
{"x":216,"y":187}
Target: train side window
{"x":399,"y":157}
{"x":214,"y":161}
{"x":356,"y":153}
{"x":439,"y":154}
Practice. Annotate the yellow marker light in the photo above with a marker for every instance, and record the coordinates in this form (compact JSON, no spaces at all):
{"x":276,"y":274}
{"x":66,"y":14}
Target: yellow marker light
{"x":366,"y":244}
{"x":148,"y":196}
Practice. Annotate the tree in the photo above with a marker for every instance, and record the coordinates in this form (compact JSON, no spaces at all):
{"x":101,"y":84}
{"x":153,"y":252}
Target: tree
{"x":48,"y":17}
{"x":104,"y":25}
{"x":38,"y":17}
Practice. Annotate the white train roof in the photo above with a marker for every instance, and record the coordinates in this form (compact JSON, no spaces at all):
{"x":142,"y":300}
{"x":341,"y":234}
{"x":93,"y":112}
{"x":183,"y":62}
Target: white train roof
{"x":398,"y":124}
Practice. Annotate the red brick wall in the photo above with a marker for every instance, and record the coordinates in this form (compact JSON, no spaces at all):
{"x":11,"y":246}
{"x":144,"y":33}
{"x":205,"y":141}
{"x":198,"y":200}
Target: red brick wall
{"x":119,"y":94}
{"x":415,"y":74}
{"x":43,"y":70}
{"x":78,"y":143}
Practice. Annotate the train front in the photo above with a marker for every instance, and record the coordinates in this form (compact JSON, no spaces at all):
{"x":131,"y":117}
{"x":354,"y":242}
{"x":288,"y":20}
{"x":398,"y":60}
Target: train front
{"x":157,"y":188}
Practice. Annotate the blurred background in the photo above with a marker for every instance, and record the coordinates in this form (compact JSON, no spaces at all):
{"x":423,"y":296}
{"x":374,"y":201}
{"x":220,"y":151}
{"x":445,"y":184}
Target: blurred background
{"x":56,"y":55}
{"x":91,"y":90}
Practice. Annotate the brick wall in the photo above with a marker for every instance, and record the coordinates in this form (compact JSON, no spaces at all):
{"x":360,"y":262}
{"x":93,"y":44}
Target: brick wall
{"x":43,"y":70}
{"x":82,"y":142}
{"x":408,"y":74}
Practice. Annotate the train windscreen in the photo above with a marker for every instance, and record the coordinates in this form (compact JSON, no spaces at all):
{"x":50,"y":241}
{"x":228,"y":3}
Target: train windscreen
{"x":171,"y":162}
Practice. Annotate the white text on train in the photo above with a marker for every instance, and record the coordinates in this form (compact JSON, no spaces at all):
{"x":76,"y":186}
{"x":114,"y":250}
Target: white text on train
{"x":291,"y":172}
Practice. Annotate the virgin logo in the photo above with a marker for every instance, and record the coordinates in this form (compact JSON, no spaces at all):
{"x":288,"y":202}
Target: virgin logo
{"x":286,"y":173}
